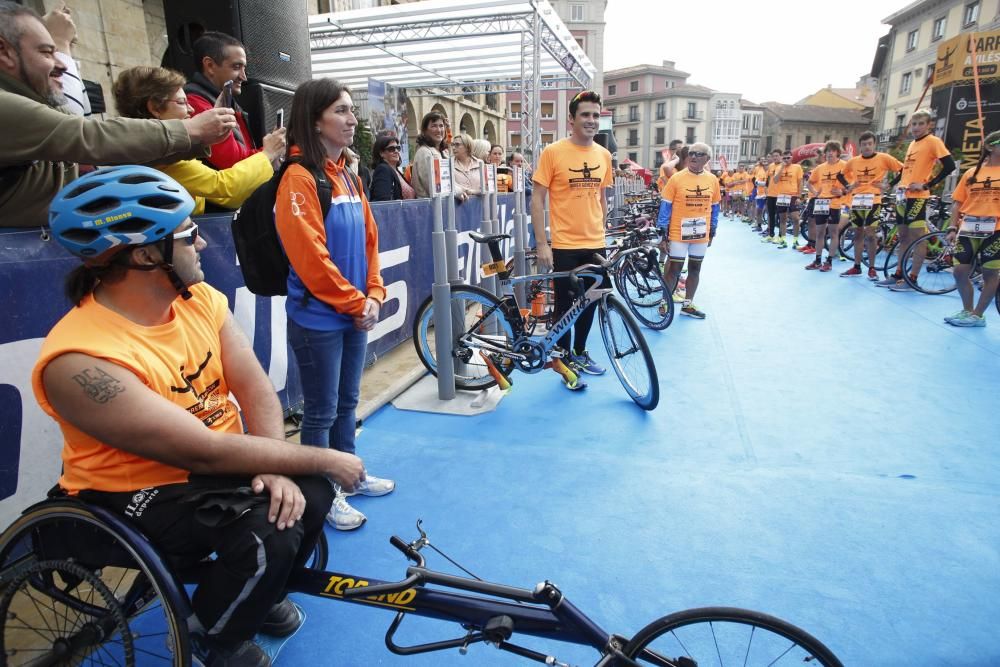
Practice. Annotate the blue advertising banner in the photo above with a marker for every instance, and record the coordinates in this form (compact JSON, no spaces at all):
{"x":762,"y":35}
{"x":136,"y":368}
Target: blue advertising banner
{"x":31,"y":272}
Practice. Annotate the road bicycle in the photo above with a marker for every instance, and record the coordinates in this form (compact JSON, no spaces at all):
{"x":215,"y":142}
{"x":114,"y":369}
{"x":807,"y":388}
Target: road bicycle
{"x":82,"y":587}
{"x":639,"y":276}
{"x":489,"y":339}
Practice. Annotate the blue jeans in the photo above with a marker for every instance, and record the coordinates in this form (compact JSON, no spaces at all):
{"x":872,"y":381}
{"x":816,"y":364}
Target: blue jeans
{"x":330,"y":366}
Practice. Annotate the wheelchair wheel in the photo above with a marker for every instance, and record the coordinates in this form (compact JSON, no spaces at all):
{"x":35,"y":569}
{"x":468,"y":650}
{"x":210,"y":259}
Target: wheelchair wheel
{"x":56,"y":612}
{"x":105,"y":592}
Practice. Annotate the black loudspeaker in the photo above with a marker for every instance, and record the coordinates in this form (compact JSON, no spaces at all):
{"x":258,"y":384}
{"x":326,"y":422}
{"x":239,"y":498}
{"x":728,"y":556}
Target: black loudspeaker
{"x":606,"y":138}
{"x":262,"y":102}
{"x":276,"y":37}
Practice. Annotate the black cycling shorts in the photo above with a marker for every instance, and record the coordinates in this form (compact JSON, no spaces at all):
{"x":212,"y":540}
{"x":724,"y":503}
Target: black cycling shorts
{"x":831,"y":218}
{"x":913,"y":213}
{"x":988,"y":250}
{"x":786,"y":209}
{"x":864,"y":217}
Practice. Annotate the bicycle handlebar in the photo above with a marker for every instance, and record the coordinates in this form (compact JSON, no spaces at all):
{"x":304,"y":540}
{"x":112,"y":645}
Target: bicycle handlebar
{"x":603,"y":263}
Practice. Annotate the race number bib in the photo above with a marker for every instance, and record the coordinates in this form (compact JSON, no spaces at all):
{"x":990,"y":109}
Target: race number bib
{"x":978,"y":225}
{"x":693,"y":229}
{"x":863,"y":202}
{"x":821,"y":206}
{"x":784,"y":200}
{"x":761,"y":184}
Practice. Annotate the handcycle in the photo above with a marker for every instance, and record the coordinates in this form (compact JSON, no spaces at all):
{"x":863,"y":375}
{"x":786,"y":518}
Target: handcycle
{"x":80,"y":586}
{"x":490,"y":340}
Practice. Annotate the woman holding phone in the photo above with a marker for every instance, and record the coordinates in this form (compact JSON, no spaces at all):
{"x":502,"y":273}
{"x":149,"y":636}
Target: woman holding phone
{"x":335,"y":290}
{"x":156,"y":92}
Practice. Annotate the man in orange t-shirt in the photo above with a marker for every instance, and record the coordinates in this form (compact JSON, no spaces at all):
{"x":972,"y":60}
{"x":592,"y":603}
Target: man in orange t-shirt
{"x":689,"y":213}
{"x":759,"y":175}
{"x":572,"y":174}
{"x":786,"y":188}
{"x":866,"y":174}
{"x":912,"y":192}
{"x":138,"y":375}
{"x":826,"y":184}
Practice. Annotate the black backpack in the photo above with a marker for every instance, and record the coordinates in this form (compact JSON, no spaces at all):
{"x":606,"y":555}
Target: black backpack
{"x":262,"y":258}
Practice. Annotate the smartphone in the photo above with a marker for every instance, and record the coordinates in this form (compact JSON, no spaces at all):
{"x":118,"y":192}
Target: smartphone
{"x":228,"y":96}
{"x":279,"y":119}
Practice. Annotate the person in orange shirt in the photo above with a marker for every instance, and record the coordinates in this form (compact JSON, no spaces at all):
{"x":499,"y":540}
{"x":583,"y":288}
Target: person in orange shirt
{"x":912,"y":193}
{"x":759,"y":175}
{"x":826,"y":184}
{"x":974,"y":216}
{"x":786,"y":188}
{"x":335,"y":291}
{"x":772,"y":197}
{"x":689,"y":214}
{"x":138,"y":375}
{"x":866,"y":174}
{"x":572,"y":174}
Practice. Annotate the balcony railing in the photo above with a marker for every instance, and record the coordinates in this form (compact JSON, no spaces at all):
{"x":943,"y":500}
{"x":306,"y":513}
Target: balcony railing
{"x":694,"y":115}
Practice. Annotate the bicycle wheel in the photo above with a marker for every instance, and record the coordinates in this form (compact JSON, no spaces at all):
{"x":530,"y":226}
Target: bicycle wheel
{"x":129,"y":601}
{"x":640,"y":281}
{"x":484,"y":323}
{"x":726,"y":636}
{"x":629,"y":353}
{"x":937,"y":273}
{"x":846,"y":241}
{"x":887,"y":257}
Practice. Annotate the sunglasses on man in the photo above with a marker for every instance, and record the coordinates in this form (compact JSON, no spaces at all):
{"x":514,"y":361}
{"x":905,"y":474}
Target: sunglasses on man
{"x":697,"y":154}
{"x":190,"y":235}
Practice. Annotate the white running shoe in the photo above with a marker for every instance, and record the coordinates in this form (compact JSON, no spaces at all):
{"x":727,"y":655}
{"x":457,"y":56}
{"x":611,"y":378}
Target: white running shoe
{"x":373,"y":486}
{"x":344,"y":517}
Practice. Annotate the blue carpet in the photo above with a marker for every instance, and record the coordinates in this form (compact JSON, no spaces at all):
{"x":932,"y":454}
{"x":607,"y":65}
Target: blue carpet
{"x":823,"y":451}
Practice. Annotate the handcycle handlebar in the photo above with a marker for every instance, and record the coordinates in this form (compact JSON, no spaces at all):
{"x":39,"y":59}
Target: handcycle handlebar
{"x":411,"y":552}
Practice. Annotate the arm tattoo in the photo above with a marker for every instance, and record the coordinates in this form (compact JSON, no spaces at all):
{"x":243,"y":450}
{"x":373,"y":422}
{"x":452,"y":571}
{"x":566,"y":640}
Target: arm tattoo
{"x":98,"y":385}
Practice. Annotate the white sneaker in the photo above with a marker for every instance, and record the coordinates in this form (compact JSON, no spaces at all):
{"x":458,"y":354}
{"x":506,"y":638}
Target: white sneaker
{"x":344,"y":517}
{"x":373,"y":486}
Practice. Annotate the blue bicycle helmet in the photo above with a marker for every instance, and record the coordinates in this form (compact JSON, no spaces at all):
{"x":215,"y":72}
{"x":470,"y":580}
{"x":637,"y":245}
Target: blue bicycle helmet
{"x":110,"y":209}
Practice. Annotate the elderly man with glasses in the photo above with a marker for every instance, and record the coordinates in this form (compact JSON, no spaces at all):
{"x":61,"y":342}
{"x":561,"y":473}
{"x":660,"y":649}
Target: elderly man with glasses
{"x":689,"y":215}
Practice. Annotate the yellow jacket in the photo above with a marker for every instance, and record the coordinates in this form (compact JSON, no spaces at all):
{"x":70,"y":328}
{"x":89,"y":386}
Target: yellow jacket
{"x":228,"y":188}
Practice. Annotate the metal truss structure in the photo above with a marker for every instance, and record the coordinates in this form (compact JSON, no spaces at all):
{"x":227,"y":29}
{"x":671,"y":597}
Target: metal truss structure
{"x":455,"y":47}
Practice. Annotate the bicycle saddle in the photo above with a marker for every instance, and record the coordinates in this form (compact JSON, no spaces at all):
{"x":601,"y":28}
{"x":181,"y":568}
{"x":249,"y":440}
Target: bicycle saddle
{"x":487,"y":238}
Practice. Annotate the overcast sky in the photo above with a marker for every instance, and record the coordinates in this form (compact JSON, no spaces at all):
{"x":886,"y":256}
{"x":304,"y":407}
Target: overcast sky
{"x":780,"y":50}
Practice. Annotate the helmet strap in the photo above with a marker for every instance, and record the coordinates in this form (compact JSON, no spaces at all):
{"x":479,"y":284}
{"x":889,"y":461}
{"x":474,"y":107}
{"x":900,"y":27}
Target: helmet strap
{"x":167,"y":250}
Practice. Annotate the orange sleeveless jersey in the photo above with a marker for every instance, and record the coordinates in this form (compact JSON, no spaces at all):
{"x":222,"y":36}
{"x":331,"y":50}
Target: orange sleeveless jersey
{"x":181,"y":361}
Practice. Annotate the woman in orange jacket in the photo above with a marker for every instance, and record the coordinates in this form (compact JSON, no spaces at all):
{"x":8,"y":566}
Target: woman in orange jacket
{"x":335,"y":290}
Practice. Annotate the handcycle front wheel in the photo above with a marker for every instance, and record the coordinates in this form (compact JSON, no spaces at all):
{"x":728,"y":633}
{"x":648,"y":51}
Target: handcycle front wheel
{"x":481,"y":316}
{"x":726,"y":636}
{"x":629,"y":353}
{"x":645,"y":291}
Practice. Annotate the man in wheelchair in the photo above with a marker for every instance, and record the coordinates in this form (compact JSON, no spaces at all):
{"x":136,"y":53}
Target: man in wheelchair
{"x":140,"y":380}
